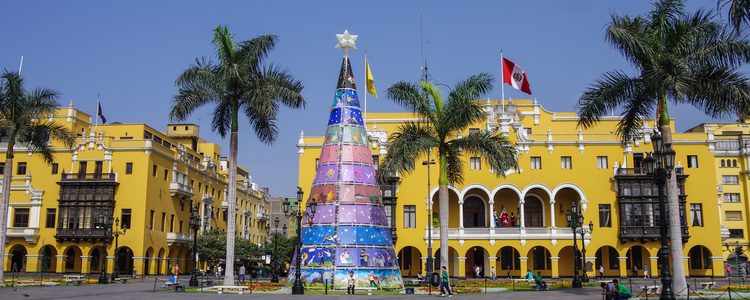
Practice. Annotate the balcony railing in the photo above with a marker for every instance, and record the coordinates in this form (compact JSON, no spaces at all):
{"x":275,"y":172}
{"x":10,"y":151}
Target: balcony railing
{"x":178,"y":238}
{"x":506,"y":233}
{"x":645,"y":233}
{"x":180,"y":189}
{"x":27,"y":233}
{"x":640,"y":171}
{"x":89,"y":177}
{"x":83,"y":234}
{"x":261,"y":216}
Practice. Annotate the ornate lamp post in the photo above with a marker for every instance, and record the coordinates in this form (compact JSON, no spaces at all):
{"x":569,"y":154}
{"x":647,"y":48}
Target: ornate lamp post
{"x":275,"y":263}
{"x":582,"y":232}
{"x":574,"y":221}
{"x":430,"y":265}
{"x":297,"y":288}
{"x":737,"y":253}
{"x":195,"y":225}
{"x":117,"y":234}
{"x":659,"y":165}
{"x":104,"y":224}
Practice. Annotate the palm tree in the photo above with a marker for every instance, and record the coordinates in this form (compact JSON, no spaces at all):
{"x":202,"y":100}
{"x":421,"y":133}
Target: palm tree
{"x":238,"y":83}
{"x":23,"y":116}
{"x":739,"y":12}
{"x":441,"y":122}
{"x":680,"y":57}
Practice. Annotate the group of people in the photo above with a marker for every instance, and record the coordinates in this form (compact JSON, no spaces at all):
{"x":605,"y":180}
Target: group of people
{"x":504,"y":220}
{"x":615,"y":290}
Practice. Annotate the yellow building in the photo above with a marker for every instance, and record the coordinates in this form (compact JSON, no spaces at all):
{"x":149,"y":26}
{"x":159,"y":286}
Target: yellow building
{"x":560,"y":165}
{"x":146,"y":179}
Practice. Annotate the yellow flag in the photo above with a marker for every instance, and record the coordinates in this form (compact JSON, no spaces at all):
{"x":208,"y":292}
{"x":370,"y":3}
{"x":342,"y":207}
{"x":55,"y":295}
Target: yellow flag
{"x":370,"y":80}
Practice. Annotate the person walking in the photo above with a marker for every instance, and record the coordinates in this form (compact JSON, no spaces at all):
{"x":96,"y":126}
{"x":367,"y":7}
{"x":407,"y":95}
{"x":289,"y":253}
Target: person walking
{"x":241,"y":274}
{"x":601,"y":271}
{"x":493,"y":273}
{"x":635,"y":271}
{"x":645,"y":272}
{"x":351,"y":283}
{"x":445,"y":284}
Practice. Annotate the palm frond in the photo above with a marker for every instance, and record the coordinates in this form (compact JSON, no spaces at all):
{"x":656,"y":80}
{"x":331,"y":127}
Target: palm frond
{"x":454,"y":165}
{"x":718,"y":91}
{"x":252,"y":52}
{"x":198,"y":85}
{"x":739,"y":12}
{"x":635,"y":112}
{"x":38,"y":136}
{"x":221,"y":121}
{"x":409,"y":142}
{"x":496,"y":150}
{"x":614,"y":89}
{"x":261,"y":113}
{"x":462,"y":110}
{"x":410,"y":96}
{"x":224,"y":43}
{"x":629,"y":37}
{"x":275,"y":83}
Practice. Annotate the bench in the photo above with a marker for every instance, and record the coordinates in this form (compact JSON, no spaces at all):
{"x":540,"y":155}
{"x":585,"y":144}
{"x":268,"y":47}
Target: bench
{"x":77,"y":279}
{"x":367,"y":288}
{"x":708,"y":285}
{"x":240,"y":289}
{"x":122,"y":280}
{"x":651,"y":289}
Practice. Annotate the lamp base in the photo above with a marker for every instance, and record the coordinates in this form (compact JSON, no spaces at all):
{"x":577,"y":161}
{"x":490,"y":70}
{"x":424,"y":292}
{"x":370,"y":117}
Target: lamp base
{"x":576,"y":284}
{"x":298,"y":289}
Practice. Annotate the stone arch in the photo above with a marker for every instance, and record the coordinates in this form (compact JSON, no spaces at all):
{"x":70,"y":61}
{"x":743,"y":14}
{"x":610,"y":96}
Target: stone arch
{"x":564,"y":199}
{"x":506,"y":197}
{"x":469,"y":188}
{"x":435,"y":190}
{"x":537,"y":186}
{"x":410,"y":261}
{"x":534,"y":212}
{"x":161,"y":265}
{"x":125,"y":260}
{"x":699,"y":261}
{"x":609,"y":258}
{"x":17,"y":259}
{"x":48,"y":259}
{"x":72,"y":259}
{"x":477,"y":256}
{"x":147,"y":261}
{"x":637,"y":256}
{"x":452,"y":261}
{"x":566,"y":261}
{"x":453,"y":211}
{"x":475,"y":212}
{"x":508,"y":262}
{"x":97,"y":257}
{"x":540,"y":259}
{"x":581,"y":194}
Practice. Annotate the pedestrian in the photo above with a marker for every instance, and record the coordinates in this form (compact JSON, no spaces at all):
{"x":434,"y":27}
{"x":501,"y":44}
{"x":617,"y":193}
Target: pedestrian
{"x":492,"y":271}
{"x":176,"y":271}
{"x":476,"y":271}
{"x":352,"y":282}
{"x":601,"y":271}
{"x":729,"y":270}
{"x":242,"y":273}
{"x":444,"y":284}
{"x":621,"y":291}
{"x":645,"y":272}
{"x":218,"y":271}
{"x":635,"y":271}
{"x":607,"y":293}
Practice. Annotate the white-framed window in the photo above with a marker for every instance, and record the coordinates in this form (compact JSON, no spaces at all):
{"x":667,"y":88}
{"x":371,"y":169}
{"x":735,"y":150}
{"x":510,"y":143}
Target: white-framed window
{"x":732,"y":197}
{"x":410,"y":216}
{"x":536,"y":162}
{"x":566,"y":162}
{"x":475,"y":163}
{"x":696,"y":212}
{"x":601,"y":162}
{"x":473,"y":130}
{"x":605,"y":215}
{"x":692,"y":161}
{"x":730,"y":179}
{"x":733,"y":215}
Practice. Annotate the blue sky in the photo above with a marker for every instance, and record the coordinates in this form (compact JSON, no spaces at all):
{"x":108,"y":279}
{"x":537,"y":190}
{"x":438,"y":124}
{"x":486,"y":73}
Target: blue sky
{"x":131,"y":52}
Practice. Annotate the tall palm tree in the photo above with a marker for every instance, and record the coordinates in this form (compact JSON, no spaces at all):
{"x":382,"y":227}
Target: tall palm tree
{"x":239,"y":83}
{"x":739,"y":12}
{"x":684,"y":58}
{"x":442,"y":120}
{"x":23,"y":121}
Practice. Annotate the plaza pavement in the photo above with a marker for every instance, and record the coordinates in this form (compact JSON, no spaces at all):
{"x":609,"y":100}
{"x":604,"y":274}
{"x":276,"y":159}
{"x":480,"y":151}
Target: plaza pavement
{"x":144,"y":290}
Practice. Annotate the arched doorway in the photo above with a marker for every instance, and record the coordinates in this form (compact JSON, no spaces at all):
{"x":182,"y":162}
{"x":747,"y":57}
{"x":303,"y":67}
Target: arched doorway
{"x":17,"y":259}
{"x":637,"y":256}
{"x":700,"y":261}
{"x":477,"y":257}
{"x":160,"y":262}
{"x":533,"y":212}
{"x":97,"y":260}
{"x":608,"y":257}
{"x":147,"y":261}
{"x":73,"y":259}
{"x":48,"y":259}
{"x":568,"y":261}
{"x":540,"y":260}
{"x":475,"y":213}
{"x":125,"y":260}
{"x":452,"y":261}
{"x":410,"y":261}
{"x":508,"y":262}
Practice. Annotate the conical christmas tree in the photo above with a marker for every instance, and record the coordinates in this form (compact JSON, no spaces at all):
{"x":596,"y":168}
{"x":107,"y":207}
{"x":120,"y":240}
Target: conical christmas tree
{"x":349,"y":233}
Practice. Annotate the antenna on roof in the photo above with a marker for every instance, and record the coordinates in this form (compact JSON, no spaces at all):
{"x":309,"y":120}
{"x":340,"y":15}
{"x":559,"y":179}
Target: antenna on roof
{"x":425,"y":72}
{"x":20,"y":66}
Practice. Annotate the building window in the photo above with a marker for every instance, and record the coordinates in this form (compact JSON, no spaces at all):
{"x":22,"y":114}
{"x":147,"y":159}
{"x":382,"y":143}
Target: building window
{"x":50,"y":221}
{"x":410,"y":216}
{"x":536,"y":163}
{"x":166,"y":173}
{"x":730,"y":179}
{"x":734,"y":163}
{"x":692,"y":161}
{"x":2,"y":168}
{"x":475,"y":163}
{"x":163,"y":221}
{"x":723,"y":164}
{"x":21,"y":169}
{"x":736,"y":234}
{"x":696,"y":213}
{"x":21,"y":217}
{"x":151,"y":220}
{"x":601,"y":162}
{"x":732,"y":197}
{"x":180,"y":227}
{"x":733,"y":215}
{"x":153,"y":170}
{"x":605,"y":215}
{"x":55,"y":167}
{"x":473,"y":130}
{"x":125,"y":217}
{"x":566,"y":162}
{"x":171,"y":223}
{"x":129,"y":168}
{"x":528,"y":131}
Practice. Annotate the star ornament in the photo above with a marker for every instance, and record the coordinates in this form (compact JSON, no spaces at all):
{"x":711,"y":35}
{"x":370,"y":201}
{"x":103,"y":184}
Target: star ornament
{"x":346,"y":41}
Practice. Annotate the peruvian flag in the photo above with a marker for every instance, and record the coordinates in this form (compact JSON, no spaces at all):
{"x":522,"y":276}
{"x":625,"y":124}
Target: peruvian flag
{"x":515,"y":76}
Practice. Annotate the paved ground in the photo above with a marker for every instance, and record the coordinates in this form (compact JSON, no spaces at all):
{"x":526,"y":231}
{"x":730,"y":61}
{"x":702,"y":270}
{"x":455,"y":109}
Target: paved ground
{"x":145,"y":291}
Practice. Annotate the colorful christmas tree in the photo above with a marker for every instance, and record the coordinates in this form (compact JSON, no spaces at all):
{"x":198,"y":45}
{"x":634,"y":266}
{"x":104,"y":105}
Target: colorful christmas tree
{"x":349,"y":231}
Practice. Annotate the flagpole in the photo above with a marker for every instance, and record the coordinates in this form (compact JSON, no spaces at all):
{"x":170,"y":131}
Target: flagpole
{"x":502,"y":80}
{"x":96,"y":116}
{"x":367,"y":86}
{"x":20,"y":66}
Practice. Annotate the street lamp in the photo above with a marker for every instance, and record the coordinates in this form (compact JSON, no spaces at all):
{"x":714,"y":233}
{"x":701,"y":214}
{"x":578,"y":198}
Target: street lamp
{"x":274,"y":263}
{"x":582,"y":232}
{"x":297,"y":288}
{"x":574,"y":221}
{"x":117,"y":234}
{"x":105,"y":225}
{"x":195,"y":225}
{"x":430,"y":265}
{"x":659,"y":165}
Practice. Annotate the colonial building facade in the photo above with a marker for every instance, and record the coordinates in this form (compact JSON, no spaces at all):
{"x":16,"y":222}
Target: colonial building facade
{"x":562,"y":166}
{"x":147,"y":180}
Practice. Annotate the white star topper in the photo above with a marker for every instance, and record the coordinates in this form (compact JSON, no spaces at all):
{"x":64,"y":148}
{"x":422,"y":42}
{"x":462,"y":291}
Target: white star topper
{"x":346,"y":41}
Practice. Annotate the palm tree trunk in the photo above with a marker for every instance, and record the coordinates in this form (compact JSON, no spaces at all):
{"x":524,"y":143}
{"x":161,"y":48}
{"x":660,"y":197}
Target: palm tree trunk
{"x":443,"y":200}
{"x":232,"y":200}
{"x":4,"y":203}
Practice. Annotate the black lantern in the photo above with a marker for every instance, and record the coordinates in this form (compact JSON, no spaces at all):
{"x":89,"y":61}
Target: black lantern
{"x":669,"y":156}
{"x":591,"y":226}
{"x":649,"y":163}
{"x":299,"y":194}
{"x":276,"y":222}
{"x":658,"y":142}
{"x":286,"y":206}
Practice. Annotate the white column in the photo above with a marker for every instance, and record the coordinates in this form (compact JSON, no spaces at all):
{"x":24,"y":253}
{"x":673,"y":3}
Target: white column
{"x":552,"y":213}
{"x":461,"y":214}
{"x":521,"y":215}
{"x":492,"y":214}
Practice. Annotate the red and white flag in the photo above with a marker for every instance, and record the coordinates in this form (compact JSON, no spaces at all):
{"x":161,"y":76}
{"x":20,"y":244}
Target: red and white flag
{"x":514,"y":76}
